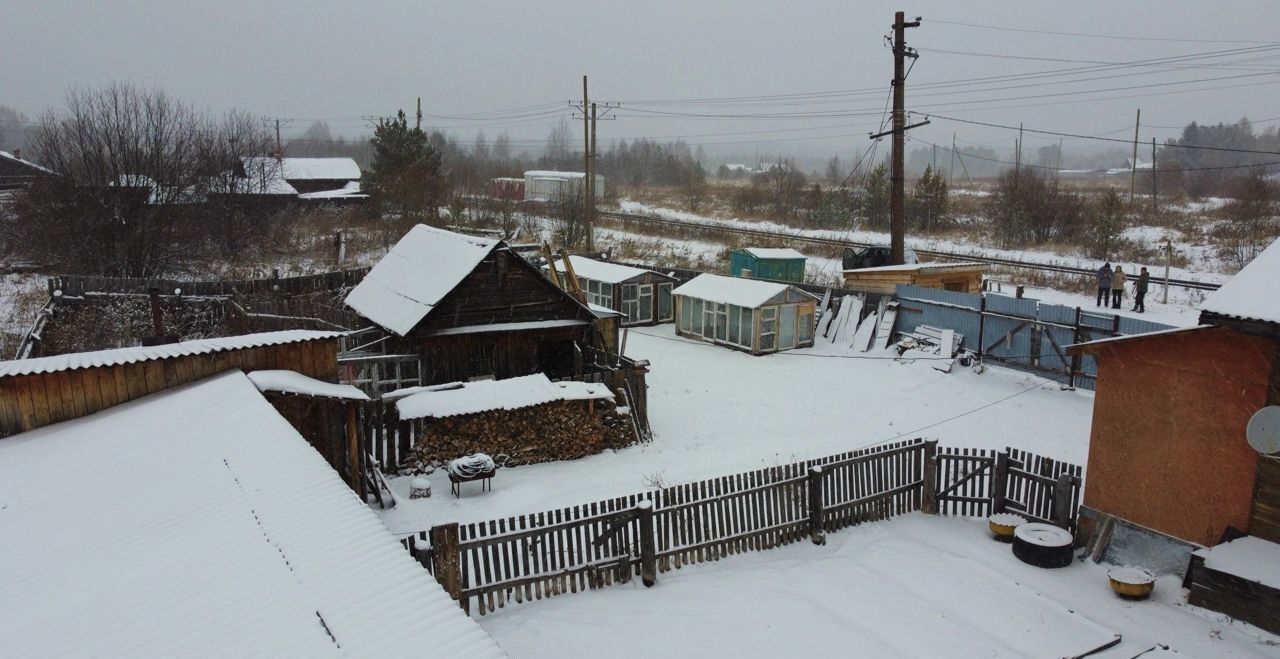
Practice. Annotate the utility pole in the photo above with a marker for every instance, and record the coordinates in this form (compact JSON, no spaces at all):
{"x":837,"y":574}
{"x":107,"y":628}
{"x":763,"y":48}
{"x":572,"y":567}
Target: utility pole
{"x":419,"y":124}
{"x":1058,"y":167}
{"x":1168,"y":260}
{"x":591,"y":183}
{"x":279,"y":149}
{"x":951,"y":169}
{"x":897,"y":210}
{"x":1133,"y":163}
{"x":588,"y":203}
{"x":1155,"y":208}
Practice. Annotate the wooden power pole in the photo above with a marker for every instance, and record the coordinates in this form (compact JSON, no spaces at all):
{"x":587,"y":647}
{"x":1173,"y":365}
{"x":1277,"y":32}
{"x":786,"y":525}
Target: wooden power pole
{"x":588,"y":203}
{"x":1133,"y":162}
{"x":897,"y":207}
{"x":591,"y":184}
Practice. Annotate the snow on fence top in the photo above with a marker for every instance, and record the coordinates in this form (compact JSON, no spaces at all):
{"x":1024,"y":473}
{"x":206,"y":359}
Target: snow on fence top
{"x":487,"y":395}
{"x":411,"y":279}
{"x":293,"y":382}
{"x":737,"y":291}
{"x":609,"y":273}
{"x":774,"y":253}
{"x":230,"y":536}
{"x":554,"y":174}
{"x":306,"y":168}
{"x":118,"y":356}
{"x":1250,"y":295}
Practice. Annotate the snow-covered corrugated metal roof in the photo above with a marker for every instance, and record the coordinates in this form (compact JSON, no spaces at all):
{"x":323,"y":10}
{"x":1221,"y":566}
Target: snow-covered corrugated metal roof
{"x":554,"y":174}
{"x":737,"y":291}
{"x":1251,"y":294}
{"x":486,"y":395}
{"x":198,"y":522}
{"x":307,"y":168}
{"x":349,"y":191}
{"x":293,"y":382}
{"x":117,"y":356}
{"x":609,"y":273}
{"x":773,"y":253}
{"x":411,"y":279}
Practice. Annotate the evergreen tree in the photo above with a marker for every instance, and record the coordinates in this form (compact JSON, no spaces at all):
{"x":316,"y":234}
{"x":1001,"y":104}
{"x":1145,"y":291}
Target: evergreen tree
{"x":1106,"y":225}
{"x":405,"y":174}
{"x":929,"y":205}
{"x":875,"y":199}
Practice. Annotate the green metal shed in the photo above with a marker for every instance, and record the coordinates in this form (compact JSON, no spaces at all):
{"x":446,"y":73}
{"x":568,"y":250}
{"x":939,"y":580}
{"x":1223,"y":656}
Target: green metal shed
{"x":781,"y":263}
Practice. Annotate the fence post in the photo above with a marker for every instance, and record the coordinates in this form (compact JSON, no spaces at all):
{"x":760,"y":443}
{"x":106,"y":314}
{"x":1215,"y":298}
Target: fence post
{"x":929,"y":490}
{"x":1000,"y":482}
{"x":1062,"y":501}
{"x":444,"y":545}
{"x":648,"y":550}
{"x":816,"y":514}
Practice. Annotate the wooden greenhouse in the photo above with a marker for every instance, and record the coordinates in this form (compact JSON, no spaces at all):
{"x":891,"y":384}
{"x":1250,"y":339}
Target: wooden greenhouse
{"x":642,"y":296}
{"x":745,"y":314}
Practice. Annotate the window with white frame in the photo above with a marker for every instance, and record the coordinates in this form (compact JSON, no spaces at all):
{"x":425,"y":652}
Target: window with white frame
{"x":644,"y":304}
{"x":805,"y":325}
{"x":598,"y":292}
{"x":664,"y":301}
{"x":696,"y":316}
{"x":630,"y":301}
{"x":768,"y":328}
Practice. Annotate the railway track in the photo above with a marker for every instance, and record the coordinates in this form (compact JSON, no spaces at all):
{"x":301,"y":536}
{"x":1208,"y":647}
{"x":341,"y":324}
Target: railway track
{"x":932,"y":254}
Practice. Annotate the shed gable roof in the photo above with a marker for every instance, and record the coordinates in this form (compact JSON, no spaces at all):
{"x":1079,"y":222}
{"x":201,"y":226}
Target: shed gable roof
{"x":1251,"y":294}
{"x":197,"y":542}
{"x":415,"y":275}
{"x":603,"y":271}
{"x":737,"y":291}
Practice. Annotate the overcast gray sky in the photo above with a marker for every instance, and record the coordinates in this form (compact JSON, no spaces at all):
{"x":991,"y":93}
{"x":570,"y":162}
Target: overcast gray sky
{"x":340,"y":61}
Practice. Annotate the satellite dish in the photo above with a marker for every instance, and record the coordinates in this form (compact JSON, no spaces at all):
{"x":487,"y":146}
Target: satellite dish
{"x":1263,"y":431}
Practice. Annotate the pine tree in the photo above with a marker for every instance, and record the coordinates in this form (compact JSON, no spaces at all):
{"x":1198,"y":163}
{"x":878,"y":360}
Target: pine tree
{"x":875,"y":198}
{"x":1106,"y":226}
{"x":929,"y":205}
{"x":405,"y":174}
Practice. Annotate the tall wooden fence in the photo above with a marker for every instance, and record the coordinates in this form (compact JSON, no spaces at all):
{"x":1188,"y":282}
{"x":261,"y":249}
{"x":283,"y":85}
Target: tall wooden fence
{"x":529,"y":557}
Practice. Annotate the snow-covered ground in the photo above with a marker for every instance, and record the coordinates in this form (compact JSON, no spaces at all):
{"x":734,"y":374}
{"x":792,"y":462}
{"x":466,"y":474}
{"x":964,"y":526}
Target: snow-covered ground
{"x":1203,"y":268}
{"x":915,"y":586}
{"x":717,"y":412}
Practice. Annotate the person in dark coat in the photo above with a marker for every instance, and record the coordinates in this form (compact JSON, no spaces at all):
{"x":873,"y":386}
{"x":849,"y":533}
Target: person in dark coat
{"x":1140,"y":291}
{"x":1117,"y":287}
{"x":1104,"y":284}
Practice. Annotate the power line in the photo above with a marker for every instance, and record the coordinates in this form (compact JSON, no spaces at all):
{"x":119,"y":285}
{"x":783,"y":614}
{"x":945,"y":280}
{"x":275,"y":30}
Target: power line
{"x":1093,"y":35}
{"x":1096,"y":138}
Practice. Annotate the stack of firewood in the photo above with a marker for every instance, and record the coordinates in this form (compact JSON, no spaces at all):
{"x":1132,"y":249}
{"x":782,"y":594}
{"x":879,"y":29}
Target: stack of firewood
{"x":562,"y":430}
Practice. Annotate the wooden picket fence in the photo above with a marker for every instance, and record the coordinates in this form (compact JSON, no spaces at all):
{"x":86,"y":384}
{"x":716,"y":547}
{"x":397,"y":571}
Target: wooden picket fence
{"x":979,"y":482}
{"x":529,"y":557}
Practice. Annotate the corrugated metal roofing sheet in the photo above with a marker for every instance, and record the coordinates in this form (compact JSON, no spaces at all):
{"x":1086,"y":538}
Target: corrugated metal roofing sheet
{"x":740,"y":292}
{"x":117,"y":356}
{"x":410,"y":280}
{"x":197,"y":522}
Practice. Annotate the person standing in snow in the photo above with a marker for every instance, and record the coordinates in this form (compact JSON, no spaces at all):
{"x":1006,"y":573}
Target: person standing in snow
{"x":1104,"y":284}
{"x":1140,"y":291}
{"x":1117,"y":287}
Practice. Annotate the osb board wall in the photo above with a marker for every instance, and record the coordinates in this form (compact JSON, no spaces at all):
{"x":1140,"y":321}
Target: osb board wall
{"x":1167,"y":449}
{"x":562,"y":430}
{"x":31,"y":401}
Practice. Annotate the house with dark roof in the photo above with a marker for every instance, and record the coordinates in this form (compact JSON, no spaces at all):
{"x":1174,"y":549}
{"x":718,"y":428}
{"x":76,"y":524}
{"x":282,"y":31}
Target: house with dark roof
{"x":470,"y":307}
{"x":1170,"y":469}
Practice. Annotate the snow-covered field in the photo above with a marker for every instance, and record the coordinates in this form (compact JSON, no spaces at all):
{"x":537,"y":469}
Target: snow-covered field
{"x":1203,"y":266}
{"x":915,"y":586}
{"x":717,"y":412}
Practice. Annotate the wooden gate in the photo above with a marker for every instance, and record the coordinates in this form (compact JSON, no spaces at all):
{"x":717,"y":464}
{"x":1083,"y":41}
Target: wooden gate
{"x":979,"y":482}
{"x":964,"y":481}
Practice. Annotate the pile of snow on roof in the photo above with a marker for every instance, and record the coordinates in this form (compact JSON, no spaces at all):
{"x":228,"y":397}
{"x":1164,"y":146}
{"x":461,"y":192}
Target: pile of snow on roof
{"x":118,"y":356}
{"x":293,"y":382}
{"x":411,"y":279}
{"x":198,"y":522}
{"x":609,"y":273}
{"x":487,"y":395}
{"x":737,"y":291}
{"x":774,"y":253}
{"x":1251,"y":294}
{"x":306,"y":168}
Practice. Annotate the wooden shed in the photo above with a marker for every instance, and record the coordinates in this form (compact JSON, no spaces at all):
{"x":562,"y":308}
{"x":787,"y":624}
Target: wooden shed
{"x":884,"y":280}
{"x":758,"y":317}
{"x":470,"y":307}
{"x":1168,"y":454}
{"x":44,"y":390}
{"x":780,"y":263}
{"x":642,"y":296}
